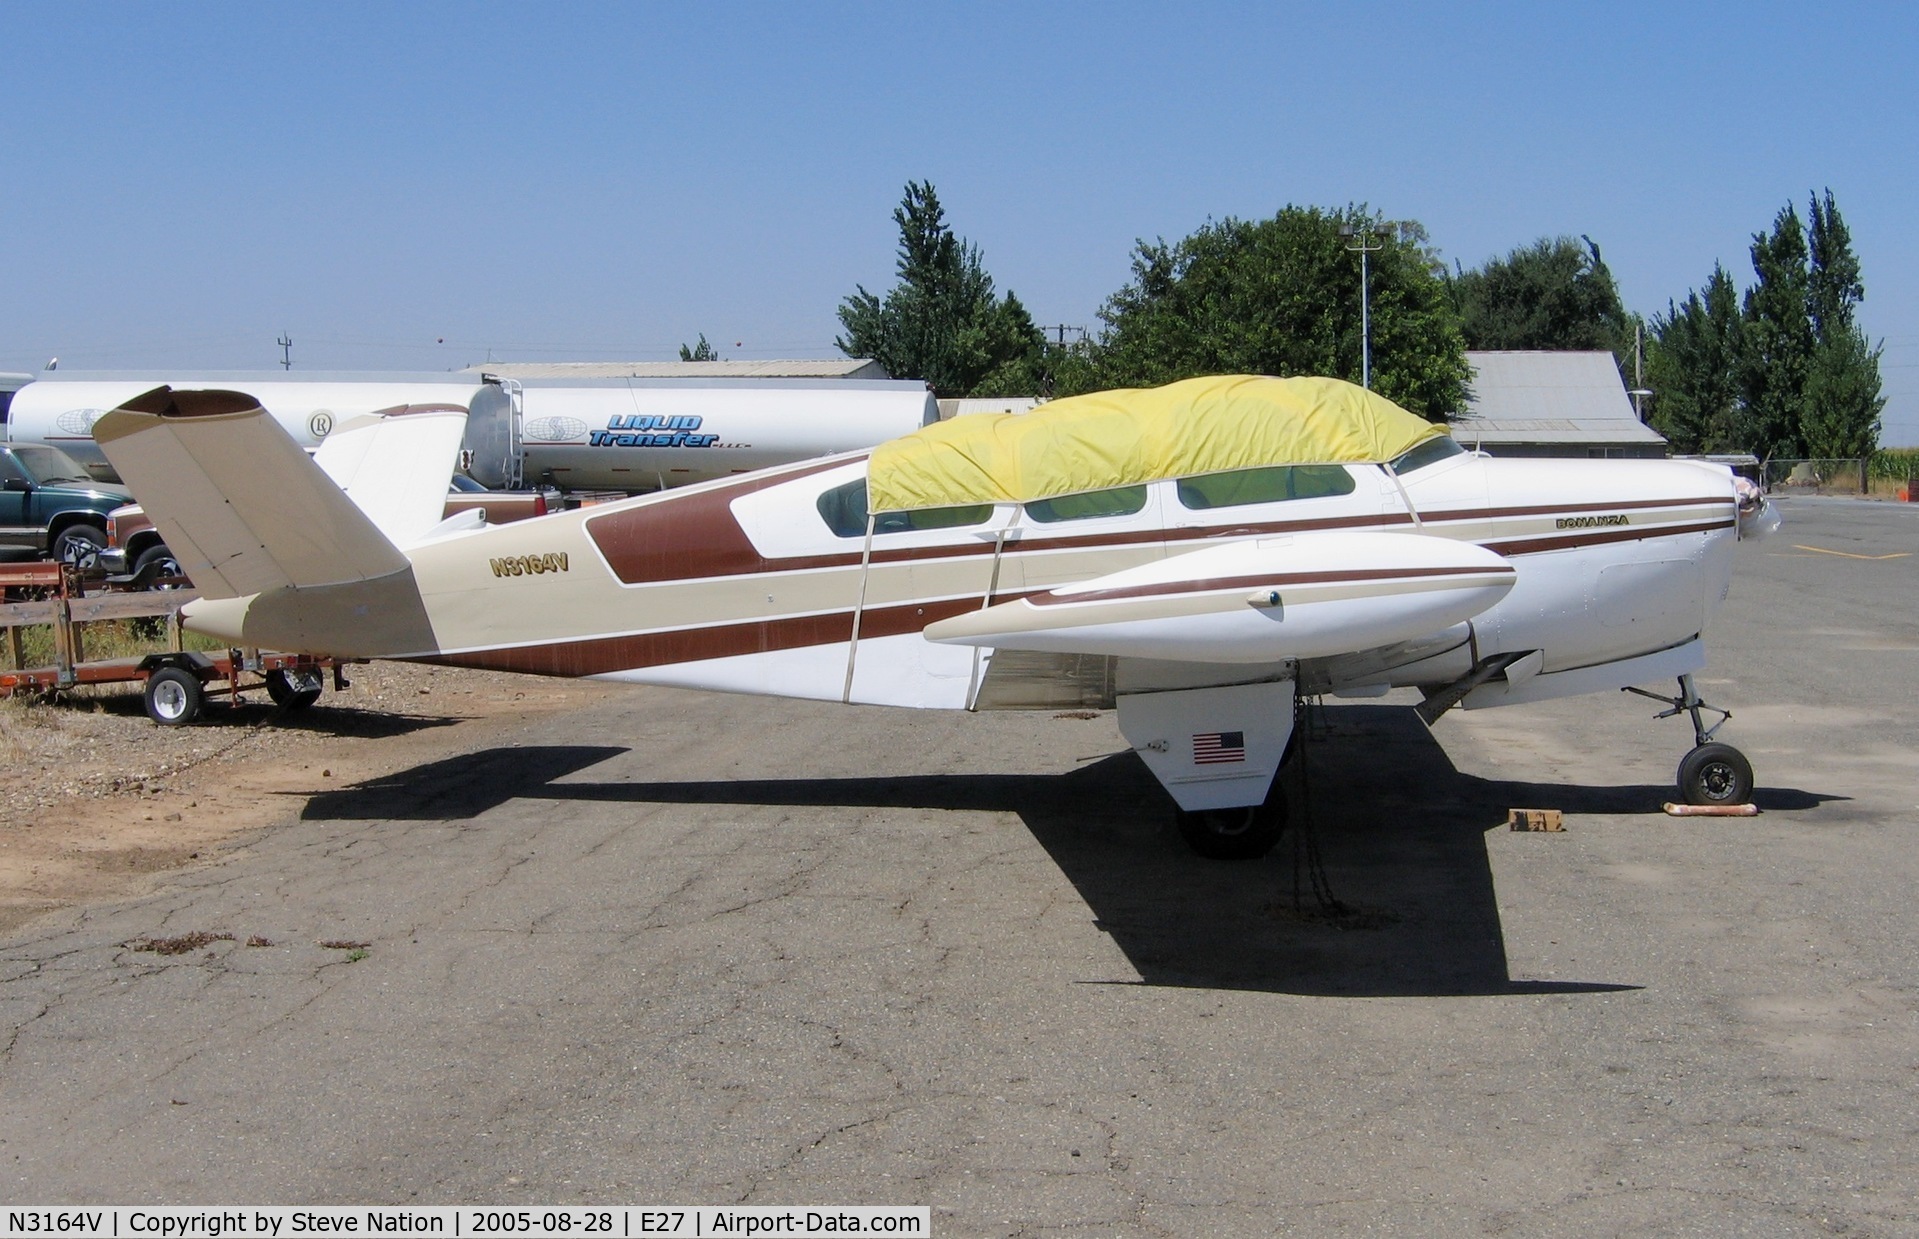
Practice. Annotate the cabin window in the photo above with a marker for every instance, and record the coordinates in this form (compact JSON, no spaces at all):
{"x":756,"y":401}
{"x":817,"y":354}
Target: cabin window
{"x":1119,"y":501}
{"x":844,"y":510}
{"x":1431,"y":452}
{"x":1275,"y":484}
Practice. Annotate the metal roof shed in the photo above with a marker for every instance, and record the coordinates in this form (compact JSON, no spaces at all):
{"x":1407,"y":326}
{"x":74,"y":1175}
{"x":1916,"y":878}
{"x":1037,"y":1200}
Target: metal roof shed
{"x":830,"y":368}
{"x":1553,"y":404}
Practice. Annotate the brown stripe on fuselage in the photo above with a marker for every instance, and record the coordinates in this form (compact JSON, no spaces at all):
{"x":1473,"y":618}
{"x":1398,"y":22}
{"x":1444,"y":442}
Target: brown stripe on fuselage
{"x":1052,"y":598}
{"x":1562,"y":542}
{"x":599,"y":655}
{"x":687,"y":536}
{"x":1552,"y":509}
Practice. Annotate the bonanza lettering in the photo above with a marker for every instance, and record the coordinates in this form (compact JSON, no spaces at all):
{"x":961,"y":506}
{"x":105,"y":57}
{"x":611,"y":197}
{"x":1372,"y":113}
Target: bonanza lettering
{"x":529,"y":565}
{"x":1589,"y":522}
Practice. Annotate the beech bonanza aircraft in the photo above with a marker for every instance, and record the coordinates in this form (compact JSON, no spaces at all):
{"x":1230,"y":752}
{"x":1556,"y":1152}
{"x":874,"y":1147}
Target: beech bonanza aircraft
{"x":1199,"y":556}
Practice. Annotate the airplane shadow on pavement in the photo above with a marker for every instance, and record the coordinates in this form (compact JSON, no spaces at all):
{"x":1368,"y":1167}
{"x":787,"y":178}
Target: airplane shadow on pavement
{"x":1400,"y":832}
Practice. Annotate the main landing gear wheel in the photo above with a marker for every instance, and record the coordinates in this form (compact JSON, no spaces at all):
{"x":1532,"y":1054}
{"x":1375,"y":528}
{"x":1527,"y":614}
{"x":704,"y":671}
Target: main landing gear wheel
{"x":293,"y":690}
{"x":173,"y":697}
{"x":1245,"y":833}
{"x":1715,"y":774}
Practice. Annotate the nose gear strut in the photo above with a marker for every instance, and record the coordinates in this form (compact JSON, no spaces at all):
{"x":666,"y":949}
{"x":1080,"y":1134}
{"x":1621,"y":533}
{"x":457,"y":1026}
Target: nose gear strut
{"x":1712,"y":773}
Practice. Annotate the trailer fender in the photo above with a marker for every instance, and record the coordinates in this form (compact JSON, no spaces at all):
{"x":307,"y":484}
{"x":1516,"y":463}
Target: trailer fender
{"x":191,"y":661}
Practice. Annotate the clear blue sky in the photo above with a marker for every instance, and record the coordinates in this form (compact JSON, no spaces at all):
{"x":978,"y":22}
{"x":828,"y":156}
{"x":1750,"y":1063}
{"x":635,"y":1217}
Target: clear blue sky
{"x":183,"y":183}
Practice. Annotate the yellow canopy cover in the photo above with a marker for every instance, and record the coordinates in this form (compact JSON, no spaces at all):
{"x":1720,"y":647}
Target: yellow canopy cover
{"x":1118,"y":438}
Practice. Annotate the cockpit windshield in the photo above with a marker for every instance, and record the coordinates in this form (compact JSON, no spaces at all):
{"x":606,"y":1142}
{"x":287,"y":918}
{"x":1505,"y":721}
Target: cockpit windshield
{"x":1431,"y":452}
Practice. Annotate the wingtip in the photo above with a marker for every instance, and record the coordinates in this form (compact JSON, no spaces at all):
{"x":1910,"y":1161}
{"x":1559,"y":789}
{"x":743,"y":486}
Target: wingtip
{"x":164,"y":403}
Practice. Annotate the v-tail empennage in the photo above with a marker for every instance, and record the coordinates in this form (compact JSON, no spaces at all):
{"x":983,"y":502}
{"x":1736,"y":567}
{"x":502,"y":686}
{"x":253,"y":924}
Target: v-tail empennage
{"x":281,"y":554}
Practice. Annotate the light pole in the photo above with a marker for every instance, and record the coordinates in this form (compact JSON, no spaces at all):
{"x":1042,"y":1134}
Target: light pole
{"x":1357,"y":239}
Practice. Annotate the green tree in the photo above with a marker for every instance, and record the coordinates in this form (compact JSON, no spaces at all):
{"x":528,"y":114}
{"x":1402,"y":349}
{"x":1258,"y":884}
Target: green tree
{"x":1556,"y":293}
{"x":699,"y":352}
{"x":1281,"y":296}
{"x":1693,"y":366}
{"x":1843,"y":400}
{"x":942,"y":322}
{"x":1778,"y":341}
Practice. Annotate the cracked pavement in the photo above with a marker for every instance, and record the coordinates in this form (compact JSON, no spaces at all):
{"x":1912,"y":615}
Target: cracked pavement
{"x":674,"y":948}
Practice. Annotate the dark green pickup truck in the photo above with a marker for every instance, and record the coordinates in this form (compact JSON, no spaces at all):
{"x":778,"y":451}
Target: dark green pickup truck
{"x":50,"y":506}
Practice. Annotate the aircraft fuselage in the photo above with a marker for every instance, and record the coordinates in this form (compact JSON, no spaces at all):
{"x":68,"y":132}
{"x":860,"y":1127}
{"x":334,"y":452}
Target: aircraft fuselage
{"x":776,"y":583}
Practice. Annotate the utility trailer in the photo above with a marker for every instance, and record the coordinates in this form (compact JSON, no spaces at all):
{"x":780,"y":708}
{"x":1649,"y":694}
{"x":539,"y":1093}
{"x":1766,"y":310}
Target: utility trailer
{"x":177,"y":683}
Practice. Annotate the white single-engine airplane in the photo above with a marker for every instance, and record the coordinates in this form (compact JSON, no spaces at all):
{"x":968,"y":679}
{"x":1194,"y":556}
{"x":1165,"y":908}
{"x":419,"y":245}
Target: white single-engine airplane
{"x":1199,"y":555}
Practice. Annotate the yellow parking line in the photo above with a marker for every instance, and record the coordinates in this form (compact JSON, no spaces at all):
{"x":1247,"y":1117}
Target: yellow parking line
{"x":1848,"y":554}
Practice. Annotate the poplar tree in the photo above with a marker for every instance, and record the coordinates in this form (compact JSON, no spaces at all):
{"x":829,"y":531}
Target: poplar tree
{"x":941,"y":322}
{"x":1792,"y":375}
{"x":1693,"y":365}
{"x":1842,"y":399}
{"x":1778,"y":341}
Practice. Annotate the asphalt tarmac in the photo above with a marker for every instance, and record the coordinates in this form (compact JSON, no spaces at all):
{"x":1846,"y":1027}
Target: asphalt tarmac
{"x":700,"y":950}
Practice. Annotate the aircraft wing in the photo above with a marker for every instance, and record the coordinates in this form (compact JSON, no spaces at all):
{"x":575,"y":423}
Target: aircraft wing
{"x":237,"y":500}
{"x":1310,"y":595}
{"x":1214,"y":738}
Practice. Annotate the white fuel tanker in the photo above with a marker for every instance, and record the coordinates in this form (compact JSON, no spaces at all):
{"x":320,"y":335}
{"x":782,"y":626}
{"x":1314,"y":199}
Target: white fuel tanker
{"x":643,"y":434}
{"x":60,"y":409}
{"x":634,"y":434}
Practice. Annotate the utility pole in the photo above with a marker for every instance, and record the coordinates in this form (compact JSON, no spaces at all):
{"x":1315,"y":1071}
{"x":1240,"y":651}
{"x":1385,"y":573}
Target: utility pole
{"x":1357,"y":239}
{"x":1639,"y":390}
{"x":286,"y":351}
{"x":1062,"y":328}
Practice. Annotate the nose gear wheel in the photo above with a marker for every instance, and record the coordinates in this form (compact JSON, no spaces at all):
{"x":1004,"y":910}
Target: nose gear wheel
{"x":1712,"y":773}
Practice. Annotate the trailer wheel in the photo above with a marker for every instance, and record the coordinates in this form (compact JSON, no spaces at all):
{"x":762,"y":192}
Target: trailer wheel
{"x":294,"y":690}
{"x":173,"y":697}
{"x":79,"y":545}
{"x":155,"y":562}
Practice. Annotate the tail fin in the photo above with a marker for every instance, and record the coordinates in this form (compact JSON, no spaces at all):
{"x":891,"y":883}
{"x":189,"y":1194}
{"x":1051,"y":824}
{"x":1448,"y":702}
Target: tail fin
{"x":239,"y":503}
{"x":396,"y":464}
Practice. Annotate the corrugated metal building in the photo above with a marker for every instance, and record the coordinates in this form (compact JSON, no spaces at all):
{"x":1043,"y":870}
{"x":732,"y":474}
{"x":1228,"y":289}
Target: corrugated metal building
{"x":832,"y":368}
{"x":987,"y":404}
{"x":1553,"y":404}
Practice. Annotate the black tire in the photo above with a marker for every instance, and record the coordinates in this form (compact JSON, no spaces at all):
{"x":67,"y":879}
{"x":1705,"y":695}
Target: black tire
{"x":153,"y":563}
{"x":1246,"y":833}
{"x":173,"y":697}
{"x":293,"y":690}
{"x":79,"y":545}
{"x":1715,"y":774}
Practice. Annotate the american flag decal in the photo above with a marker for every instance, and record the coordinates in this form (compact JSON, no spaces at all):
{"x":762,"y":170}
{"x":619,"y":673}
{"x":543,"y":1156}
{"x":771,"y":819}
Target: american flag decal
{"x":1214,"y":747}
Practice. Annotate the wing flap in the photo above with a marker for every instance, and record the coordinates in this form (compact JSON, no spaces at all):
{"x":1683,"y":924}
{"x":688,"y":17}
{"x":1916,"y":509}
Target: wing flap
{"x":237,"y":500}
{"x":1312,"y":595}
